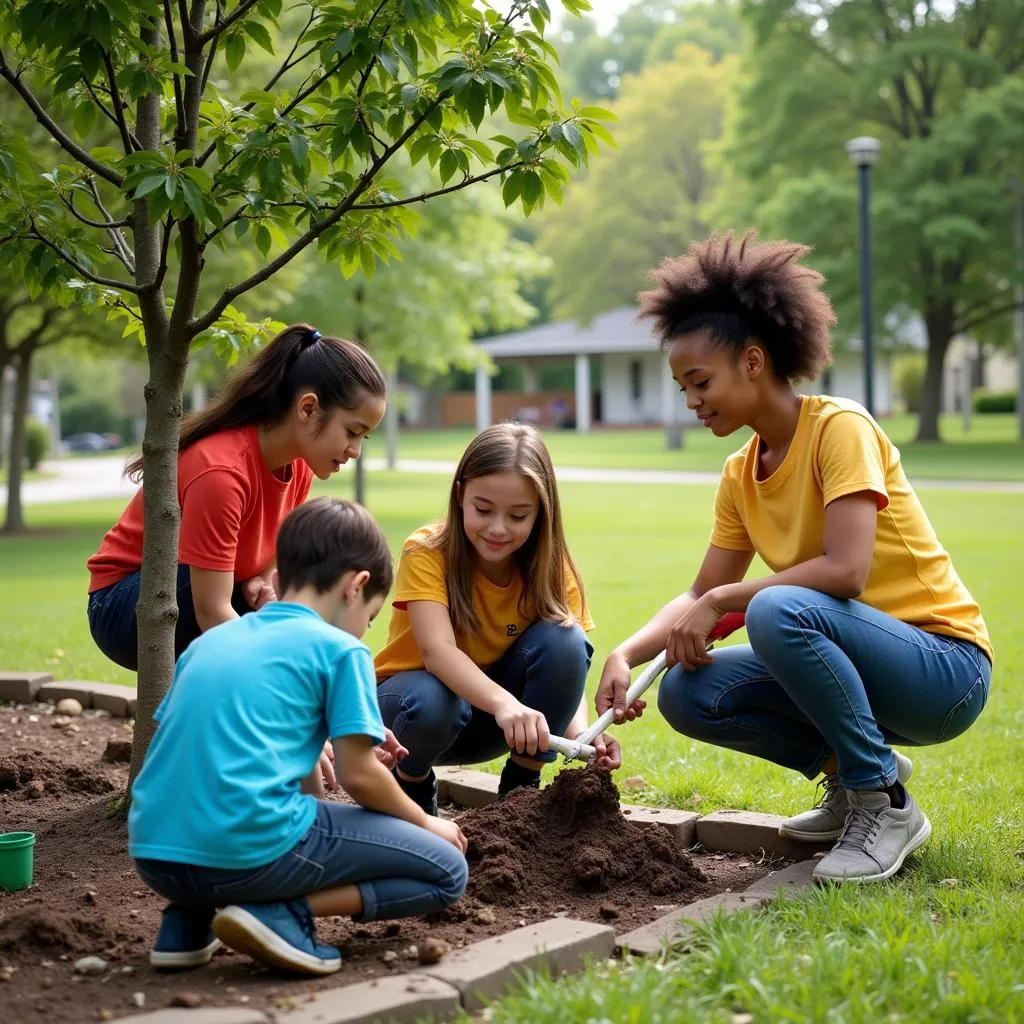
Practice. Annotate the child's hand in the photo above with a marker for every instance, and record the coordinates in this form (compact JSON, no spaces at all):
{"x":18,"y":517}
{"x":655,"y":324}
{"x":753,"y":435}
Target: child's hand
{"x":609,"y":755}
{"x":448,"y":831}
{"x":526,"y":731}
{"x":258,"y":592}
{"x":611,"y":691}
{"x":390,"y":752}
{"x":687,"y":643}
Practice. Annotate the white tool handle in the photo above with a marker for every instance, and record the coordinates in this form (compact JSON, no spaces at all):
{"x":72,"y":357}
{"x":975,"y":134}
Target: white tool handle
{"x":637,"y":689}
{"x":572,"y":749}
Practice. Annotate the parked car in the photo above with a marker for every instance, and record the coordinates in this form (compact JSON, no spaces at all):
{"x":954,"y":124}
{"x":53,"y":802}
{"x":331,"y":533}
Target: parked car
{"x":86,"y":443}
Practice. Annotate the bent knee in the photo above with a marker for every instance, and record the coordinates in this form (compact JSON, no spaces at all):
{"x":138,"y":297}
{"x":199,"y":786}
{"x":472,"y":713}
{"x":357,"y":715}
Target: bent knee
{"x":684,"y":704}
{"x":772,"y":607}
{"x":455,"y":881}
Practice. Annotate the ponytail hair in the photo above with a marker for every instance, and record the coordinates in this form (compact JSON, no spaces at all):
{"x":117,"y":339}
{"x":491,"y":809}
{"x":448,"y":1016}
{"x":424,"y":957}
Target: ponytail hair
{"x":340,"y":373}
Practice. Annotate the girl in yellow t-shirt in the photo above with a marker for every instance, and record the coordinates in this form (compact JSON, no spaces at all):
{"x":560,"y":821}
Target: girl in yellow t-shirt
{"x":487,"y":649}
{"x":865,"y":636}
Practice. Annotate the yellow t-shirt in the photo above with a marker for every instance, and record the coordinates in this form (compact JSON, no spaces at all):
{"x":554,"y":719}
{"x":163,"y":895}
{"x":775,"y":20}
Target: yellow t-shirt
{"x":421,"y":577}
{"x":838,"y":449}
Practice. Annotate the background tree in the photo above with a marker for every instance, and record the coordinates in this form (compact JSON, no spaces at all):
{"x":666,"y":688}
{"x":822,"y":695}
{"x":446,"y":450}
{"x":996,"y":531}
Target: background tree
{"x":650,"y":197}
{"x":941,"y":86}
{"x":301,"y":161}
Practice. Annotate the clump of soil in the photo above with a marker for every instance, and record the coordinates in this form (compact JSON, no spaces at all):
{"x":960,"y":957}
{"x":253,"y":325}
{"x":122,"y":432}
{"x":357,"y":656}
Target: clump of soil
{"x":36,"y":774}
{"x":49,"y":930}
{"x":572,"y":838}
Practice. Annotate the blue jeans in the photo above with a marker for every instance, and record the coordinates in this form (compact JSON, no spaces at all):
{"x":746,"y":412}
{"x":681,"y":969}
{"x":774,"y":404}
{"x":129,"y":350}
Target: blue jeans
{"x":115,"y":628}
{"x":400,"y":869}
{"x":545,"y":669}
{"x":822,"y":675}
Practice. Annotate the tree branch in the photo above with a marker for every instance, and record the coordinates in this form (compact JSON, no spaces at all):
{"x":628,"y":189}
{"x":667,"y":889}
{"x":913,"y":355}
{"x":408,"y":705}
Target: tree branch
{"x":115,"y":102}
{"x":172,"y":43}
{"x":221,"y":26}
{"x":968,"y":324}
{"x":102,"y":225}
{"x":56,"y":132}
{"x":106,"y":282}
{"x":424,"y":196}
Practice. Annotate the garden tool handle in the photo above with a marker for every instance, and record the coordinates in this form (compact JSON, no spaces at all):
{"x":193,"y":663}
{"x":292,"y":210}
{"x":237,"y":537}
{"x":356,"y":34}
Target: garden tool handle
{"x":637,"y":688}
{"x":573,"y":750}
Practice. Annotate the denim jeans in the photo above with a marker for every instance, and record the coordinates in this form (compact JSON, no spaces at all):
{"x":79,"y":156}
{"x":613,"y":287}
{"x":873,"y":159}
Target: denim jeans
{"x":401,"y":869}
{"x":545,"y":669}
{"x":822,"y":675}
{"x":115,"y":628}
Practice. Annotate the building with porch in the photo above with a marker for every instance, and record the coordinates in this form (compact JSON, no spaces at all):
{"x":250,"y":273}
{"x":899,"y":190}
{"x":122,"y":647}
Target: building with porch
{"x":620,"y":375}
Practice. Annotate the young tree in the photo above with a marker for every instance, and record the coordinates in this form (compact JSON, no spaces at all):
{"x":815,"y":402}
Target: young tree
{"x":941,"y":86}
{"x":302,"y":161}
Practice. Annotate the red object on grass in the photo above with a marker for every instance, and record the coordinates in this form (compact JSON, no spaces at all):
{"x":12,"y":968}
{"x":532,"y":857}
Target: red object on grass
{"x":728,"y":623}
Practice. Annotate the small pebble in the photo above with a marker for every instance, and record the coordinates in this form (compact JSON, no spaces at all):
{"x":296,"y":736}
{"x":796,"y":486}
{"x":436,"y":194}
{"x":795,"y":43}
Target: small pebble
{"x":189,"y":1000}
{"x":388,"y":955}
{"x":69,"y":706}
{"x":431,"y":950}
{"x":485,"y":915}
{"x":90,"y":965}
{"x":139,"y":999}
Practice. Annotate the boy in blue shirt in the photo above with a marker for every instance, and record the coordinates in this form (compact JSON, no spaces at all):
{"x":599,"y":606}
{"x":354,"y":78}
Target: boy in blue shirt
{"x":223,"y":813}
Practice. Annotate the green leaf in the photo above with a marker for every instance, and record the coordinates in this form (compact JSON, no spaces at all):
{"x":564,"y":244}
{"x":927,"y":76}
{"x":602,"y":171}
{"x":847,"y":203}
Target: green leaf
{"x":389,"y":62}
{"x":150,"y":184}
{"x":171,"y":185}
{"x":199,"y":177}
{"x":510,"y":190}
{"x":193,"y":198}
{"x":574,"y":136}
{"x":476,"y":103}
{"x":84,"y":118}
{"x":90,"y":55}
{"x":447,"y":166}
{"x":235,"y":50}
{"x":261,"y":236}
{"x":258,"y":34}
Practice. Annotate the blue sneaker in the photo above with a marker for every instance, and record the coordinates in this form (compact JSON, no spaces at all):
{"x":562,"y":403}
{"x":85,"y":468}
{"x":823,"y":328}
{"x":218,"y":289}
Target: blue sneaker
{"x":277,"y":934}
{"x":184,"y":940}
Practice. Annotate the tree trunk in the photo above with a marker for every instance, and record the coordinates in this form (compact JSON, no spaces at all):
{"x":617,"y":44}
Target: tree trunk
{"x":157,"y":610}
{"x":15,"y":521}
{"x":3,"y":397}
{"x":360,"y":483}
{"x":940,"y":332}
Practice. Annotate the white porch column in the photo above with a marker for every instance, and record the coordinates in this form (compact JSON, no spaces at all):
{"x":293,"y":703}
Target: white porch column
{"x":530,"y":383}
{"x":582,"y":393}
{"x":670,"y":411}
{"x":483,"y":398}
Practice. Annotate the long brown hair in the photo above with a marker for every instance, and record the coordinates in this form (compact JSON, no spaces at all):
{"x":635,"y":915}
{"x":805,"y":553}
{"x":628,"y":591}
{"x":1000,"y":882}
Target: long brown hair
{"x":339,"y":372}
{"x":543,"y":561}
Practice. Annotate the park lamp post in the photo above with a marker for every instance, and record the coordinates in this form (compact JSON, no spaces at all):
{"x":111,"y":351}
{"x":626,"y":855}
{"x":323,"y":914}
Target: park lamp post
{"x":863,"y":152}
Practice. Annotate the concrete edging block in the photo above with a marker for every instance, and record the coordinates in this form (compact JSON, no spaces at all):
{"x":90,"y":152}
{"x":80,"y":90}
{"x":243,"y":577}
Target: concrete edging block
{"x":651,"y":938}
{"x":682,"y":824}
{"x":119,"y":701}
{"x":750,"y":832}
{"x":21,"y":687}
{"x":486,"y":969}
{"x":201,"y":1015}
{"x":466,"y":787}
{"x":397,"y":999}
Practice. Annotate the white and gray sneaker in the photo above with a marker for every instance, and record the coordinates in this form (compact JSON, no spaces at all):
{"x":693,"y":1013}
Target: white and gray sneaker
{"x":825,"y":820}
{"x":876,"y":839}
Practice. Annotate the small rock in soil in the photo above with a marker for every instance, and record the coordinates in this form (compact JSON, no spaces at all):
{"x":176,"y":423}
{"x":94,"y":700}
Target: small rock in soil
{"x":35,"y":790}
{"x":90,"y":965}
{"x":608,"y":912}
{"x":431,"y":950}
{"x":484,"y":916}
{"x":139,"y":999}
{"x":70,"y":707}
{"x":118,"y":751}
{"x":189,"y":1000}
{"x":388,"y":955}
{"x":392,"y":930}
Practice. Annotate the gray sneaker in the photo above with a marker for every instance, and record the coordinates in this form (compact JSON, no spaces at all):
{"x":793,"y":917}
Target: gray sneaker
{"x":824,"y":821}
{"x":876,"y":839}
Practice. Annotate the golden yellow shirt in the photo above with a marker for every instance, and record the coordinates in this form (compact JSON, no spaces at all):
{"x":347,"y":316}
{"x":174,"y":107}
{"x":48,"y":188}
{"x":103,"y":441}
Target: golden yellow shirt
{"x":421,"y":577}
{"x":837,"y":450}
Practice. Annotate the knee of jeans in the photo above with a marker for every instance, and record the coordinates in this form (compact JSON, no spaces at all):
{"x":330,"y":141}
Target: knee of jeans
{"x":434,"y":718}
{"x":566,"y":646}
{"x":770,"y":608}
{"x":456,"y":878}
{"x":683,"y":703}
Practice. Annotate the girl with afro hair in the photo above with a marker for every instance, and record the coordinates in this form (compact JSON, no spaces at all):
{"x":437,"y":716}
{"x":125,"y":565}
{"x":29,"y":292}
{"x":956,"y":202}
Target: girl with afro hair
{"x":864,"y":636}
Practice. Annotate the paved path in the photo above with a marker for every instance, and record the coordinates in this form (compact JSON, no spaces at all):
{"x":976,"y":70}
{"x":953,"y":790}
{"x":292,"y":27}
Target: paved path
{"x":98,"y":477}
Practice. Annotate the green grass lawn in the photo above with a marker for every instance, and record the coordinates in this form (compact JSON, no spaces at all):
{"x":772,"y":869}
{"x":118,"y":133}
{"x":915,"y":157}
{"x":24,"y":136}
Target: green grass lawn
{"x":943,"y":943}
{"x":988,"y":451}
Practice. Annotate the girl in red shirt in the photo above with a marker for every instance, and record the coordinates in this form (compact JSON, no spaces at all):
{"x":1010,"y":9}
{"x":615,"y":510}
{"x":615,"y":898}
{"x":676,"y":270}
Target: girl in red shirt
{"x":301,"y":408}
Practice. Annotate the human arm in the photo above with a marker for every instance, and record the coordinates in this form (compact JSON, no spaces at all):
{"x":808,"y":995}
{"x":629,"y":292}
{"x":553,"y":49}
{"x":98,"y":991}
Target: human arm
{"x":373,"y":786}
{"x":211,"y":596}
{"x":721,"y":566}
{"x":260,"y":590}
{"x":526,"y":730}
{"x":841,"y":571}
{"x":609,"y":755}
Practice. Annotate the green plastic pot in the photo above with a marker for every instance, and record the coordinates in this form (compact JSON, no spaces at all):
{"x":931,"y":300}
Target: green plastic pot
{"x":16,"y":860}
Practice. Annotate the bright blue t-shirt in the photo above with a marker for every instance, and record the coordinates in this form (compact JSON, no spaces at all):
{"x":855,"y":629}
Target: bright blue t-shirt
{"x":252,"y":703}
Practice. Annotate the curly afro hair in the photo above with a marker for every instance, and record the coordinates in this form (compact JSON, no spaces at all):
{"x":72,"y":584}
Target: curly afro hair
{"x":743,"y":291}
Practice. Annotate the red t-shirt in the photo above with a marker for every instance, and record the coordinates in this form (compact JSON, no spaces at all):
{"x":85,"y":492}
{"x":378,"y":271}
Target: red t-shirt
{"x":231,"y":509}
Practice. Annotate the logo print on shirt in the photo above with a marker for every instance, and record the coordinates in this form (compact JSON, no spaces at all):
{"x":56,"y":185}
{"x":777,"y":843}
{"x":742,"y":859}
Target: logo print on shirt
{"x":511,"y":629}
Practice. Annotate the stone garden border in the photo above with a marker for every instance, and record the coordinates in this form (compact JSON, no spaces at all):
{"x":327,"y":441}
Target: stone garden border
{"x":474,"y":975}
